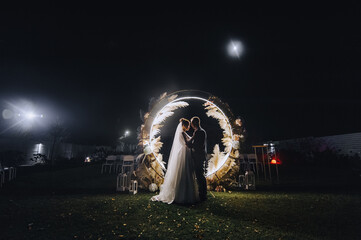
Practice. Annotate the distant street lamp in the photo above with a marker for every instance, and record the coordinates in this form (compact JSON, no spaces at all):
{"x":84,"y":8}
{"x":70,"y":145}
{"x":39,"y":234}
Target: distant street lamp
{"x":25,"y":119}
{"x":126,"y":134}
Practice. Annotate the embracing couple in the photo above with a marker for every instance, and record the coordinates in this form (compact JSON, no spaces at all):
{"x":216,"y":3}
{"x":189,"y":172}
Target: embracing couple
{"x":184,"y":181}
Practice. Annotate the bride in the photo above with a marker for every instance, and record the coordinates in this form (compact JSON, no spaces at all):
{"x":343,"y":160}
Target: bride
{"x":180,"y":185}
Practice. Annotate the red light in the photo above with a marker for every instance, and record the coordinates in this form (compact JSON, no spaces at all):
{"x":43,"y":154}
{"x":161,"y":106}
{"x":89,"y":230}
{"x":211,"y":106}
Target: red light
{"x":275,"y":161}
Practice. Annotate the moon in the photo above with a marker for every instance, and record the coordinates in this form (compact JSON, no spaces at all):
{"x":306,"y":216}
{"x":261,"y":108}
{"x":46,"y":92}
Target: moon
{"x":235,"y":48}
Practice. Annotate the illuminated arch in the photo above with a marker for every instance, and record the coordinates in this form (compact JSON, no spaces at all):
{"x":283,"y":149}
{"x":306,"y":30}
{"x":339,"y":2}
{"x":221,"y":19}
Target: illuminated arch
{"x":204,"y":100}
{"x":165,"y":100}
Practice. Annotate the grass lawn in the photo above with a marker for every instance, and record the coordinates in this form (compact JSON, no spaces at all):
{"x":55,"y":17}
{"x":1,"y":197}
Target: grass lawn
{"x":80,"y":203}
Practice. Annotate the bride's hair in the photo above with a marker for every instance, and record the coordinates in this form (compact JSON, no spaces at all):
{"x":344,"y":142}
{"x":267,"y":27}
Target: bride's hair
{"x":185,"y":122}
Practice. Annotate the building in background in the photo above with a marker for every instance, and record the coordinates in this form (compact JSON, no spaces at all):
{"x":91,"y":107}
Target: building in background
{"x":346,"y":144}
{"x":62,"y":150}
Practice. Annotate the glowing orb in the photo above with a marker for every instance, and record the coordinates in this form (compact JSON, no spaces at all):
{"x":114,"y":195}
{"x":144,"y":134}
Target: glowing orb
{"x":235,"y":49}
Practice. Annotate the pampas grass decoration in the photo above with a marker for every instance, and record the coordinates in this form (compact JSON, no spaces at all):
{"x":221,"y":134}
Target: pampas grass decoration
{"x":156,"y":145}
{"x":224,"y":172}
{"x":235,"y":154}
{"x":161,"y":117}
{"x":171,"y":98}
{"x":162,"y":96}
{"x":174,"y":106}
{"x":162,"y":163}
{"x":143,"y":175}
{"x":227,"y":142}
{"x":146,"y":116}
{"x":217,"y":155}
{"x":214,"y":112}
{"x":154,"y":173}
{"x":155,"y":130}
{"x":165,"y":113}
{"x":168,"y":111}
{"x":223,"y":123}
{"x":140,"y":158}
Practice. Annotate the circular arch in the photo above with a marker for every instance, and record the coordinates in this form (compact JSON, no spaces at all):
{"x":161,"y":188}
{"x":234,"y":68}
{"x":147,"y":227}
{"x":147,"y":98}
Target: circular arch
{"x":174,"y":97}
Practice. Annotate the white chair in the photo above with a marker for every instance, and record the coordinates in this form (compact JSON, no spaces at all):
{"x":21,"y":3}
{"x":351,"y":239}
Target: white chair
{"x":249,"y":181}
{"x":242,"y":162}
{"x":241,"y":180}
{"x":122,"y":182}
{"x":119,"y":163}
{"x":109,"y":162}
{"x":128,"y":163}
{"x":133,"y":187}
{"x":252,"y":161}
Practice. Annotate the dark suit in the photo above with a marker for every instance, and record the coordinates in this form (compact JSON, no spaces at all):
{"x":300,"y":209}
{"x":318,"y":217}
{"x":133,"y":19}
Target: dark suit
{"x":198,"y":146}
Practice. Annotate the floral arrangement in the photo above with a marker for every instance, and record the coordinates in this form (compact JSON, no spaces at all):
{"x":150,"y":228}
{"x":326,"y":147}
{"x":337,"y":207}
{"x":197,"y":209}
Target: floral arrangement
{"x":151,"y":167}
{"x":222,"y":166}
{"x":153,"y":187}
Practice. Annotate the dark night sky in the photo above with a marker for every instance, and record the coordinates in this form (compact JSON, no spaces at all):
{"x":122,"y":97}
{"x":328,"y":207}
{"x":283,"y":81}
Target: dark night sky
{"x":95,"y":68}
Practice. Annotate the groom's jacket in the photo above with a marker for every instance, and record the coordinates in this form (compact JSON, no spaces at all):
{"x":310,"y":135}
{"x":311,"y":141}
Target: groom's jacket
{"x":198,"y":142}
{"x":198,"y":145}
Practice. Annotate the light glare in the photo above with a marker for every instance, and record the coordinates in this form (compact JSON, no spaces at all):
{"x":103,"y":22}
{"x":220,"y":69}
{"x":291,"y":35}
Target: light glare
{"x":30,"y":115}
{"x":235,"y":49}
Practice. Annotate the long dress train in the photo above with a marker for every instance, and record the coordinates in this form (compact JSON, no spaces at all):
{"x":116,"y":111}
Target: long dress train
{"x":179,"y":184}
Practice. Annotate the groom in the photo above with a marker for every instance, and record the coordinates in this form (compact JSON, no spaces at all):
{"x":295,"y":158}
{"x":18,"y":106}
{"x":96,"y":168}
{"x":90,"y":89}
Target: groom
{"x":198,"y":146}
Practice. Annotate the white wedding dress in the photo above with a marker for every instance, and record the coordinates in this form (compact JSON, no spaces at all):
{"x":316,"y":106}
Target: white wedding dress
{"x":180,"y":185}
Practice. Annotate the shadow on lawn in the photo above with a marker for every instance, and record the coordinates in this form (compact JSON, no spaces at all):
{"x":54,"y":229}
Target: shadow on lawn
{"x":89,"y":180}
{"x":79,"y":180}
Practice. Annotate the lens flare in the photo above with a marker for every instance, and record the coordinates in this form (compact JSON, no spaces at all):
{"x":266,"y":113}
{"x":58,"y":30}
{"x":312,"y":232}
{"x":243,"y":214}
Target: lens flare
{"x":30,"y":115}
{"x":7,"y":114}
